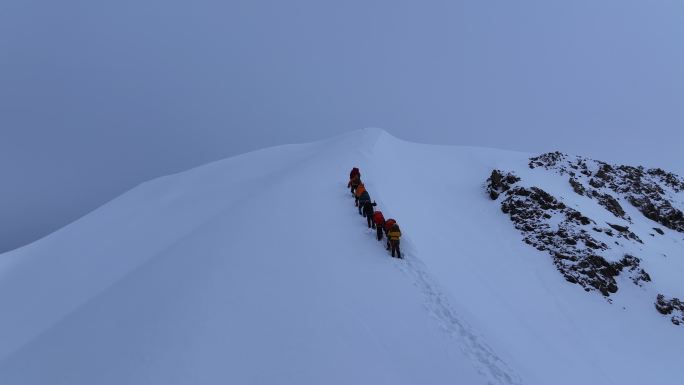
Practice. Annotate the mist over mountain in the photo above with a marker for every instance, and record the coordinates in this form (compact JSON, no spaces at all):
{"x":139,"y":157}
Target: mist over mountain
{"x":96,"y":98}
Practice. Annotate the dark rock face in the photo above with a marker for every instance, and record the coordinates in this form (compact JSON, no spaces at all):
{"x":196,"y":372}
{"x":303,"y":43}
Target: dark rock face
{"x":574,"y":250}
{"x":585,"y":252}
{"x":577,"y":186}
{"x":550,"y":159}
{"x":611,"y":204}
{"x":631,"y":266}
{"x":670,"y":306}
{"x":499,"y":182}
{"x":671,"y":180}
{"x":659,"y":210}
{"x":650,"y":191}
{"x":623,"y":231}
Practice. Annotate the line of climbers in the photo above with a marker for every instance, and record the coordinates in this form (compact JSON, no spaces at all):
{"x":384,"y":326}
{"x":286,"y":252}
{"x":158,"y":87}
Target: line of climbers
{"x":374,"y":218}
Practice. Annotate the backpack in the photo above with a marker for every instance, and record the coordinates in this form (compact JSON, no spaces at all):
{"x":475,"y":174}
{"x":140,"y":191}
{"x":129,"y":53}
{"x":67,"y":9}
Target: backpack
{"x":378,"y":218}
{"x":389,"y":223}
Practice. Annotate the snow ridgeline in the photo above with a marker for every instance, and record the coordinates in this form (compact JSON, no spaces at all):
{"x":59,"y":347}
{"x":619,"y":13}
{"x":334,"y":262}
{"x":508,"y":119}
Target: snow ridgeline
{"x":179,"y":281}
{"x":584,"y":250}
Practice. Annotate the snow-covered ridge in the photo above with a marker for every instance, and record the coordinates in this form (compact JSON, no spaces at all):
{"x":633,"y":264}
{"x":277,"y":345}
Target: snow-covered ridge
{"x":257,"y":270}
{"x":595,"y":252}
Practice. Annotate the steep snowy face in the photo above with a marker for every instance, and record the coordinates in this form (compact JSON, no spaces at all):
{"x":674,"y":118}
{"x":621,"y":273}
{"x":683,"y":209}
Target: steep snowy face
{"x":258,"y":269}
{"x":605,"y":225}
{"x":251,"y":270}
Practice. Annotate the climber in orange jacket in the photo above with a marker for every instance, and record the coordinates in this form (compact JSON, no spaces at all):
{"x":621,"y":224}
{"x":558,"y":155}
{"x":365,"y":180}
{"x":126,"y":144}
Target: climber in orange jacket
{"x":360,"y":189}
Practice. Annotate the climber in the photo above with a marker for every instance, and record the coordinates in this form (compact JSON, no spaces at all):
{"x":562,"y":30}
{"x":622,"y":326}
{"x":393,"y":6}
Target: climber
{"x":363,"y":198}
{"x":394,"y":235}
{"x":368,"y":212}
{"x":354,"y":179}
{"x":354,"y":172}
{"x":387,"y":227}
{"x":360,"y":189}
{"x":379,"y":221}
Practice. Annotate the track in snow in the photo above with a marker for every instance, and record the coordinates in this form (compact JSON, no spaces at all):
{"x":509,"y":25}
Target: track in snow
{"x":486,"y":362}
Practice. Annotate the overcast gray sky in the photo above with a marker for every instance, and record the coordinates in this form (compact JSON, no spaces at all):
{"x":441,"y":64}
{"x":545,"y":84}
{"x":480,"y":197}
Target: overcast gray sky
{"x":97,"y":96}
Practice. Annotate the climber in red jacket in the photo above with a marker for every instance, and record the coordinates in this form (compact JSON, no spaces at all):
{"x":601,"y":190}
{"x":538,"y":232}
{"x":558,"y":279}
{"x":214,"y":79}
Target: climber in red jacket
{"x":354,"y":179}
{"x":379,"y":221}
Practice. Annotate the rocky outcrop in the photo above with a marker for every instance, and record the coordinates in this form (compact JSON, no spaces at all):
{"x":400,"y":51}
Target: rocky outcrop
{"x":611,"y":204}
{"x":650,"y":191}
{"x":549,"y":225}
{"x":669,"y":179}
{"x":498,"y":182}
{"x":631,"y":266}
{"x":577,"y":186}
{"x":596,"y":255}
{"x":672,"y":307}
{"x":623,"y":231}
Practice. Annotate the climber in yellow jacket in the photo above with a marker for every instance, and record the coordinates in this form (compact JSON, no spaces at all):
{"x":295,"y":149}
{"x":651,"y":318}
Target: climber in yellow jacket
{"x":393,"y":235}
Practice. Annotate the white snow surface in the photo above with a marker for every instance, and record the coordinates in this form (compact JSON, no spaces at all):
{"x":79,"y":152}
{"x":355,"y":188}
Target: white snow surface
{"x":259,"y":270}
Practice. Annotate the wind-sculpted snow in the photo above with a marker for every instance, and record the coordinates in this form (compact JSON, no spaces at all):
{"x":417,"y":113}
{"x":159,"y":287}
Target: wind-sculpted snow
{"x":589,"y":252}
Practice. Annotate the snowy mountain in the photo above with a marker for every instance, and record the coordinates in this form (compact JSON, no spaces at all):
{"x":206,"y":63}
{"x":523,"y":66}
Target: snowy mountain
{"x":594,"y":252}
{"x":258,"y":270}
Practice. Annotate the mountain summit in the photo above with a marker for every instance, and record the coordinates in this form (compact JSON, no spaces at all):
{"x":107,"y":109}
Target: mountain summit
{"x":258,"y":270}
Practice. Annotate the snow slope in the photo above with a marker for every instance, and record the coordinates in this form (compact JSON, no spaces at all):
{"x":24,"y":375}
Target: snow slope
{"x":258,"y":270}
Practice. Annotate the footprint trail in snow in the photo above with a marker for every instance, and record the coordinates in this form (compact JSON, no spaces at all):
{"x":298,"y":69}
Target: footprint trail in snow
{"x":486,"y":361}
